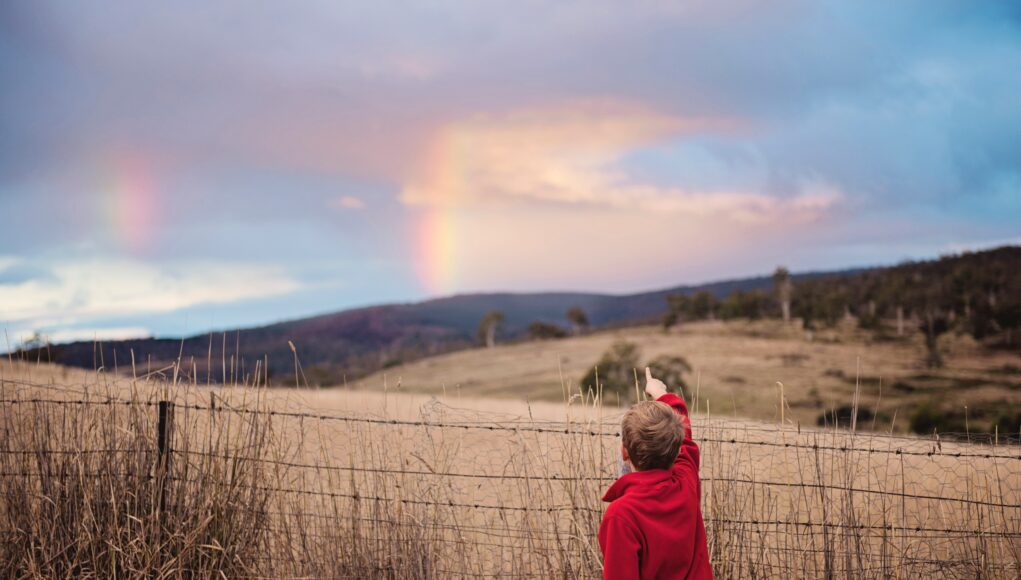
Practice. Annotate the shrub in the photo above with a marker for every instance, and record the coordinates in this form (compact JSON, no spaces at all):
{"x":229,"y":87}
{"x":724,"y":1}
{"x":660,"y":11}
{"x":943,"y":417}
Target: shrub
{"x":841,"y":416}
{"x":540,"y":330}
{"x":1008,"y":369}
{"x":904,"y":387}
{"x":671,"y":370}
{"x":615,"y":371}
{"x":928,"y":418}
{"x":1008,"y":423}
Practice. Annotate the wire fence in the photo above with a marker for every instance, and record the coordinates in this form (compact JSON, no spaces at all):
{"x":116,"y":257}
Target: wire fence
{"x":521,"y":498}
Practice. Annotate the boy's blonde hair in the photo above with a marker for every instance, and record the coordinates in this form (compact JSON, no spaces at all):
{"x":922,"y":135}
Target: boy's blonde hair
{"x":652,"y":434}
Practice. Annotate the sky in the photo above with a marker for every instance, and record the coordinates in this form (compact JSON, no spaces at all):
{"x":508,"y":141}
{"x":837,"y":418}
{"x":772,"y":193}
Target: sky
{"x":172,"y":168}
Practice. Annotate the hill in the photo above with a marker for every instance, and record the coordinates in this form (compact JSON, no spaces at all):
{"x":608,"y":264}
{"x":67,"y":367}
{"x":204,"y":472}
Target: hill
{"x":735,"y":367}
{"x":977,"y":290}
{"x":351,"y":343}
{"x":330,"y":483}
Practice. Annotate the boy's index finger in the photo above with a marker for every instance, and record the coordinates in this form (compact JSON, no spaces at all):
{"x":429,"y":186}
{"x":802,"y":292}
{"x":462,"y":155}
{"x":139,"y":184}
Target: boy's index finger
{"x":648,"y":374}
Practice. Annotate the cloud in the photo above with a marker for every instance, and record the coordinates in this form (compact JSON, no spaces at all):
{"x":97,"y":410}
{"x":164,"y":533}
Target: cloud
{"x":77,"y":291}
{"x":99,"y":333}
{"x":646,"y":144}
{"x":348,"y":202}
{"x":573,"y":154}
{"x":17,"y":271}
{"x":7,"y":262}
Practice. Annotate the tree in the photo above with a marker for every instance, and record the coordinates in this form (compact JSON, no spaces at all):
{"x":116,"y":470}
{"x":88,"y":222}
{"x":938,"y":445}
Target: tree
{"x":487,"y":327}
{"x":740,"y":304}
{"x":1002,"y":315}
{"x":679,"y":303}
{"x":808,"y":324}
{"x":783,"y":288}
{"x":669,"y":320}
{"x":815,"y":303}
{"x":869,"y":319}
{"x":970,"y":291}
{"x":732,"y":306}
{"x":1008,"y":318}
{"x":33,"y":342}
{"x":704,"y":305}
{"x":755,"y":304}
{"x":891,"y":296}
{"x":982,"y":322}
{"x":615,"y":371}
{"x":35,"y":347}
{"x":700,"y":306}
{"x":671,"y":370}
{"x":933,"y":326}
{"x":578,"y":319}
{"x":678,"y":309}
{"x":540,"y":330}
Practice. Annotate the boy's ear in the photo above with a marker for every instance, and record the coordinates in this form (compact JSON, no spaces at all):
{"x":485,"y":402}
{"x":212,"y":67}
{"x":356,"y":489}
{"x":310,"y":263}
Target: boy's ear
{"x":623,"y":453}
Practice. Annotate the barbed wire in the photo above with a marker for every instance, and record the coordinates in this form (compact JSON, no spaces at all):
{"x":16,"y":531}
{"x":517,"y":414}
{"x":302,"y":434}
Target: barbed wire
{"x":551,"y":477}
{"x":935,"y":452}
{"x":561,"y":477}
{"x":76,"y":451}
{"x":562,"y":508}
{"x":851,"y":489}
{"x":506,"y":537}
{"x":526,"y":533}
{"x":709,"y":520}
{"x":702,"y":421}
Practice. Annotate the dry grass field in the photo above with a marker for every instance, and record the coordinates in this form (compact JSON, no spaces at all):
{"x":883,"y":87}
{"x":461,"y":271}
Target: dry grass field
{"x":261,"y":482}
{"x":736,"y":366}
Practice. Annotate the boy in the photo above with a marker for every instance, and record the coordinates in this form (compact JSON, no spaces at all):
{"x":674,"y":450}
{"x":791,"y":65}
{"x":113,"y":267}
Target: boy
{"x":653,"y":526}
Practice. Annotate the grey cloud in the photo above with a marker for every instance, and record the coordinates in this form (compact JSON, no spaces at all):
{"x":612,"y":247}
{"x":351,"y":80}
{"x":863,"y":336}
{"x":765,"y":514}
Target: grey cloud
{"x":256,"y":116}
{"x":21,"y":272}
{"x":228,"y":83}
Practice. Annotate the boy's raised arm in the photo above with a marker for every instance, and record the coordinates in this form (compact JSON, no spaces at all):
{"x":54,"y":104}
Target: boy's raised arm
{"x":656,"y":389}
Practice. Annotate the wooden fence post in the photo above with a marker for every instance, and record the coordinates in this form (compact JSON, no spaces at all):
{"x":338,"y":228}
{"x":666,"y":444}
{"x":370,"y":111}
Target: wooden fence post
{"x":164,"y":432}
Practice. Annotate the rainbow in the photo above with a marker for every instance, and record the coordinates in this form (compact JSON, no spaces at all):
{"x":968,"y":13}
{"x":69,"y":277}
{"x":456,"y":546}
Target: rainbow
{"x":128,"y":203}
{"x":442,"y":186}
{"x":436,"y":243}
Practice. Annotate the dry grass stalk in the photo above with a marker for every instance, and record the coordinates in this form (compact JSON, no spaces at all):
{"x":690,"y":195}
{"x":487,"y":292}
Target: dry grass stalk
{"x":263,"y":486}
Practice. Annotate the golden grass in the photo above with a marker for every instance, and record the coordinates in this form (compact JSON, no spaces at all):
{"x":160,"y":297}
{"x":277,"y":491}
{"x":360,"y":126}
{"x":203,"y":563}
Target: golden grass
{"x":736,"y":366}
{"x":338,"y":483}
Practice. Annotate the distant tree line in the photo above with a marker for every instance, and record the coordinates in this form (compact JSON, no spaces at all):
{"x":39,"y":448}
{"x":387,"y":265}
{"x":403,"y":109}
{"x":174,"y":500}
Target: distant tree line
{"x":978,"y":293}
{"x":537,"y":330}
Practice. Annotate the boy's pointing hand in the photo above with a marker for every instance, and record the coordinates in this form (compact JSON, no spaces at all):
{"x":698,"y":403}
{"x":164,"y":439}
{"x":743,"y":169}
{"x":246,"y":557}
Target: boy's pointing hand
{"x":653,"y":386}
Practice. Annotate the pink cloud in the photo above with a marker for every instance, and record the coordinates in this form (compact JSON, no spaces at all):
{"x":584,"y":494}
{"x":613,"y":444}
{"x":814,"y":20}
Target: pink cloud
{"x":348,"y":202}
{"x":538,"y":198}
{"x":570,"y":154}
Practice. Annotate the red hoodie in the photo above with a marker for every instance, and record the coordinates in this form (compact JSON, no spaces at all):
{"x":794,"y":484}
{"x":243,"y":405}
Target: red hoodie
{"x":653,"y":526}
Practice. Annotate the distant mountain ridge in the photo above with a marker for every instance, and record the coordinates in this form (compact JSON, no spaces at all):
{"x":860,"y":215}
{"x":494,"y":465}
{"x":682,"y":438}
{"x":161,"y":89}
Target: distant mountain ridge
{"x":982,"y":287}
{"x":351,"y":343}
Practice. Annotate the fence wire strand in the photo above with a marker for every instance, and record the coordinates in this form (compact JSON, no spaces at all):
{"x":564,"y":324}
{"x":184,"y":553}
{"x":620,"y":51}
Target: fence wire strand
{"x":503,"y":527}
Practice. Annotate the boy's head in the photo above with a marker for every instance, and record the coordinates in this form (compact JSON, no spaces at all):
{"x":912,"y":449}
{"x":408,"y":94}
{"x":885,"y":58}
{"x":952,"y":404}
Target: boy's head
{"x":651,"y":434}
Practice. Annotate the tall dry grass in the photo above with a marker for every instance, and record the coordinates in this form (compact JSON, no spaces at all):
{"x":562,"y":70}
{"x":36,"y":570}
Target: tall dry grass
{"x":260,"y":484}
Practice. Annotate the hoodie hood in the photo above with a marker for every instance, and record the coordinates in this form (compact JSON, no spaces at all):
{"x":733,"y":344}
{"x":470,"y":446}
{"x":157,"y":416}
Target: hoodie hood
{"x":636,"y":480}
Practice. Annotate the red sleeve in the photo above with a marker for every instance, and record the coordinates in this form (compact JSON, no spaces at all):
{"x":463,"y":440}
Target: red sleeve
{"x":688,"y":456}
{"x":621,"y":546}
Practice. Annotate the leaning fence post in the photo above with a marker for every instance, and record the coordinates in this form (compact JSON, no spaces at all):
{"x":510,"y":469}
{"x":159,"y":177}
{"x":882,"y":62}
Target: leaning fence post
{"x":164,"y":431}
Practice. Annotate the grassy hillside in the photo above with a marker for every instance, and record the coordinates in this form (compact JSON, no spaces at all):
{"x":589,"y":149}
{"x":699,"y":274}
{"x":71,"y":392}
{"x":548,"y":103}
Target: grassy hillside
{"x":974,"y":293}
{"x":335,"y":483}
{"x":355,"y":342}
{"x":736,"y":366}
